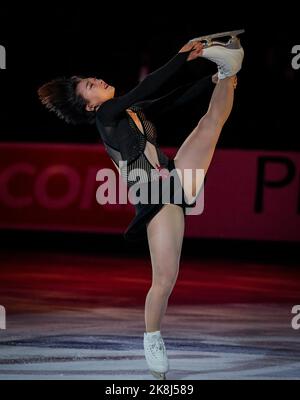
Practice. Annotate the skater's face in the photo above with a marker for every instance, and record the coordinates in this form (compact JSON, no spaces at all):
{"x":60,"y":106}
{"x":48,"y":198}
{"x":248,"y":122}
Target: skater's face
{"x":95,"y":92}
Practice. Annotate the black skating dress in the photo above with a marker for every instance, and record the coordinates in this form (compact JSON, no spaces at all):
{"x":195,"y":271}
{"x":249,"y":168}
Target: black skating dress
{"x":125,"y":143}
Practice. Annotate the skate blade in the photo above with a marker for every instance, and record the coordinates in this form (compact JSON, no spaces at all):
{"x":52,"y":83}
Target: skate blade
{"x":159,"y":375}
{"x":208,"y":38}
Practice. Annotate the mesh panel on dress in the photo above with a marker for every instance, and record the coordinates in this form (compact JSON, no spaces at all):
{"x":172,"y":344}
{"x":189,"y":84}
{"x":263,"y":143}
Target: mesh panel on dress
{"x":146,"y":172}
{"x":149,"y":127}
{"x":140,"y":169}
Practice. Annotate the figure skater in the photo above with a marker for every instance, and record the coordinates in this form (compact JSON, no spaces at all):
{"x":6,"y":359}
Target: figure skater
{"x":126,"y":126}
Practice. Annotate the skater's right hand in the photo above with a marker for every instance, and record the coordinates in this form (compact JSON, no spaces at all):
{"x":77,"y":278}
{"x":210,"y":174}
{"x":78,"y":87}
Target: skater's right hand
{"x":195,"y":49}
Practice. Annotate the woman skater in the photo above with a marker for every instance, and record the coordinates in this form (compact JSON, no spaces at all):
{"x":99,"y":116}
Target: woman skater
{"x":126,"y":126}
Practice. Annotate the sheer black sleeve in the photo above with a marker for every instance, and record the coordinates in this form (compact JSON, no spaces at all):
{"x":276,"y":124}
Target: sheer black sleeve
{"x":110,"y":109}
{"x":177,"y":97}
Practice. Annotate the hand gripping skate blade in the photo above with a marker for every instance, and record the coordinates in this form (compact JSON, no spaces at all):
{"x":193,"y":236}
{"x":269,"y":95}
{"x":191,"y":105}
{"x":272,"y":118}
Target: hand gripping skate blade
{"x":208,"y":38}
{"x":159,"y":375}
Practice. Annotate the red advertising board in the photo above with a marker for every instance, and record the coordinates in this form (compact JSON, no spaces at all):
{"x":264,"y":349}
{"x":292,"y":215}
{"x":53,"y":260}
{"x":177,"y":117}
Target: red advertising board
{"x":248,"y":194}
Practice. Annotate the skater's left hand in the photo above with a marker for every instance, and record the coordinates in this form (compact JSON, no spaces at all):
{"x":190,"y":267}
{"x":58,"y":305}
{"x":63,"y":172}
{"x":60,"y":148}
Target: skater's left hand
{"x":196,"y":52}
{"x":195,"y":49}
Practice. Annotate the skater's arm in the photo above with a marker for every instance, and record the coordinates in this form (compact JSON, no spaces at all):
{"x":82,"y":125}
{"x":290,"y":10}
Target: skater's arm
{"x":178,"y":97}
{"x":110,"y":109}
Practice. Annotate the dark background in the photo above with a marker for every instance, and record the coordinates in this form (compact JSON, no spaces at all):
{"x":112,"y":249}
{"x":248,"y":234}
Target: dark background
{"x":45,"y":41}
{"x":114,"y":41}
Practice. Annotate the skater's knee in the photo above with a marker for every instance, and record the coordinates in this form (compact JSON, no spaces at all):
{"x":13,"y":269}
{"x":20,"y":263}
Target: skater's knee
{"x":164,"y":288}
{"x":208,"y":131}
{"x":165,"y":282}
{"x":210,"y":122}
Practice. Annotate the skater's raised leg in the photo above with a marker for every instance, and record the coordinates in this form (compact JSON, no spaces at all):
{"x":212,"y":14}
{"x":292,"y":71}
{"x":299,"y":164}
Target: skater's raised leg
{"x":197,"y":150}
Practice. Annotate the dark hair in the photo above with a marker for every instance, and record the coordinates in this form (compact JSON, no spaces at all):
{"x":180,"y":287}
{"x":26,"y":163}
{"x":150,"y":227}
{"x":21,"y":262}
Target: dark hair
{"x":60,"y":96}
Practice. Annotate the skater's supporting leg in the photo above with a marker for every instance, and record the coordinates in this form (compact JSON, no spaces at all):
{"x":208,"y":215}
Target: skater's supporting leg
{"x":165,"y":234}
{"x":197,"y":150}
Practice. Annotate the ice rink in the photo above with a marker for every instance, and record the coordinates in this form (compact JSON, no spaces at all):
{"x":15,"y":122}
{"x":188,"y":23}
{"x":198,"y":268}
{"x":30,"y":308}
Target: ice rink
{"x":82,"y":317}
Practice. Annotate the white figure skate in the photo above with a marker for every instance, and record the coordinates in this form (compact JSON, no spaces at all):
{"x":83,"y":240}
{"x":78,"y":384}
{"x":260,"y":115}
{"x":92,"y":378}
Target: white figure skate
{"x":228,"y":56}
{"x":156,"y":355}
{"x":208,"y":38}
